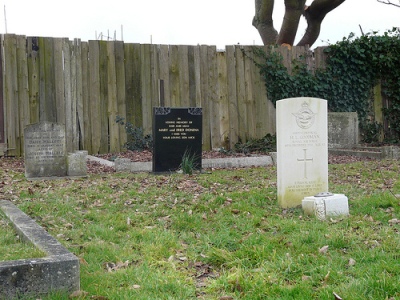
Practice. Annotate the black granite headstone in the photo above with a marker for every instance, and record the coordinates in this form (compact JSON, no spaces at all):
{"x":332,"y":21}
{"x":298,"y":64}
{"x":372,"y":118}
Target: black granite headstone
{"x":176,"y":131}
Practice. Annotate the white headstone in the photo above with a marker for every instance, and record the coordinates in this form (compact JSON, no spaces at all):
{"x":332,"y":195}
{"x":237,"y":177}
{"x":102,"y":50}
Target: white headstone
{"x":302,"y":149}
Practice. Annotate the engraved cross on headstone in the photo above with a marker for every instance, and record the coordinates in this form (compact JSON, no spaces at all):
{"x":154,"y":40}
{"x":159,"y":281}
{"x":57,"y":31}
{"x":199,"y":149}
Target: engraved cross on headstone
{"x":305,"y":160}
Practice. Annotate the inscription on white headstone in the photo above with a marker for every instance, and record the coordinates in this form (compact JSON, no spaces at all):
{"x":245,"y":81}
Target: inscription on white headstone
{"x":302,"y":149}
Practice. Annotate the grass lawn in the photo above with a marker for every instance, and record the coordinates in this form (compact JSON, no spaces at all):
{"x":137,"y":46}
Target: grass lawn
{"x":218,"y":235}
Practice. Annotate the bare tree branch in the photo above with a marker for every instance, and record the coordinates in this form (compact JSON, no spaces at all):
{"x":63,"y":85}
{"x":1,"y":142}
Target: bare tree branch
{"x":294,"y":9}
{"x":315,"y":14}
{"x":389,"y":2}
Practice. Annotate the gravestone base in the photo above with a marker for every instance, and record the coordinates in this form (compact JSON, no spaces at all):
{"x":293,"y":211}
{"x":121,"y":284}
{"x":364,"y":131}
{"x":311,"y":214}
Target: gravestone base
{"x":329,"y":206}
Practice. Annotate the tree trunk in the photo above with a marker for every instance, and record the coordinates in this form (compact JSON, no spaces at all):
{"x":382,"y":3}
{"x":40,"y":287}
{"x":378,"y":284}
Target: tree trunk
{"x":263,"y":21}
{"x":293,"y":12}
{"x":314,"y":14}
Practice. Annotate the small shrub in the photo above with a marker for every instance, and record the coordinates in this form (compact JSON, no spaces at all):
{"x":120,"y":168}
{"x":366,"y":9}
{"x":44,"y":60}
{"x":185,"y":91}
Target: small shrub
{"x":371,"y":132}
{"x":137,"y":140}
{"x":264,"y":145}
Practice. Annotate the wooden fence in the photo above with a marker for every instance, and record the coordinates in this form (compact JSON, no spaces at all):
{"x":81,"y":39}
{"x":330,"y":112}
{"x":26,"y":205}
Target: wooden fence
{"x":86,"y":85}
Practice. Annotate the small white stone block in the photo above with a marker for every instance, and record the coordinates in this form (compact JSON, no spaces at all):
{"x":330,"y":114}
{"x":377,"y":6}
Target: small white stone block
{"x":322,"y":207}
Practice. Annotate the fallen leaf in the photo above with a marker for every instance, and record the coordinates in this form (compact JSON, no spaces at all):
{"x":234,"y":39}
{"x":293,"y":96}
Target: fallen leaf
{"x":136,"y":286}
{"x":305,"y":278}
{"x":78,"y":294}
{"x":323,"y":250}
{"x":337,"y":297}
{"x":111,"y":267}
{"x":327,"y":276}
{"x":368,"y":218}
{"x":352,"y":262}
{"x":394,"y":221}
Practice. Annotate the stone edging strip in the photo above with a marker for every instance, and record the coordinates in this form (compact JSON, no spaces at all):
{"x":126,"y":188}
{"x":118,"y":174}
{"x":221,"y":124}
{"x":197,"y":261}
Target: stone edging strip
{"x":59,"y":270}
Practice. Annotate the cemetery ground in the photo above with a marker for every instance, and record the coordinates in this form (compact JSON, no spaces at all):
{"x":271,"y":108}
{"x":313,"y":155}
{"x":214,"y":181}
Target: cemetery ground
{"x":215,"y":235}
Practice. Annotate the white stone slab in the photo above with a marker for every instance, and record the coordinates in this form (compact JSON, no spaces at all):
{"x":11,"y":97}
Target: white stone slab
{"x":302,"y":149}
{"x":323,"y":207}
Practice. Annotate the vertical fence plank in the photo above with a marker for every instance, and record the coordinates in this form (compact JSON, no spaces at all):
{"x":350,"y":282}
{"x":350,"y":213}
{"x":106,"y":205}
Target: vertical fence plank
{"x":249,"y":95}
{"x":133,"y":84}
{"x":2,"y":117}
{"x":11,"y":94}
{"x":205,"y":97}
{"x":155,"y":76}
{"x":174,"y":88}
{"x":112,"y":107}
{"x":23,"y":94}
{"x":79,"y":123}
{"x":194,"y":76}
{"x":104,"y":137}
{"x":164,"y":73}
{"x":59,"y":84}
{"x":121,"y":89}
{"x":223,"y":103}
{"x":86,"y":114}
{"x":241,"y":94}
{"x":33,"y":71}
{"x":213,"y":97}
{"x":94,"y":95}
{"x":74,"y":96}
{"x":146,"y":88}
{"x":212,"y":93}
{"x":183,"y":71}
{"x":232,"y":97}
{"x":48,"y":110}
{"x":320,"y":58}
{"x":265,"y":118}
{"x":69,"y":99}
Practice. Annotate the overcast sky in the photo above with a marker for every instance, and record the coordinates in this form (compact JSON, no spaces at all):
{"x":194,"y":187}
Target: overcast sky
{"x":211,"y":22}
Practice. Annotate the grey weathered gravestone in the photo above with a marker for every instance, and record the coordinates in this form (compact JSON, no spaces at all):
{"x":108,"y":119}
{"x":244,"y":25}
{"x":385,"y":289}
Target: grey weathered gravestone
{"x":302,"y":149}
{"x":77,"y":163}
{"x":342,"y":130}
{"x":45,"y":150}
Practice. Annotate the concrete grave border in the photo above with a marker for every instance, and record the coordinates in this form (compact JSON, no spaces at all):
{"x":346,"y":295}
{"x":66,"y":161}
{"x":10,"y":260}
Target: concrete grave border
{"x":125,"y":164}
{"x":58,"y":271}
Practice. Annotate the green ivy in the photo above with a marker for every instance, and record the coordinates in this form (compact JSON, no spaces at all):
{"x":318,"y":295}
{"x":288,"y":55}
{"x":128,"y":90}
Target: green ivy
{"x":136,"y":139}
{"x":353,"y":67}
